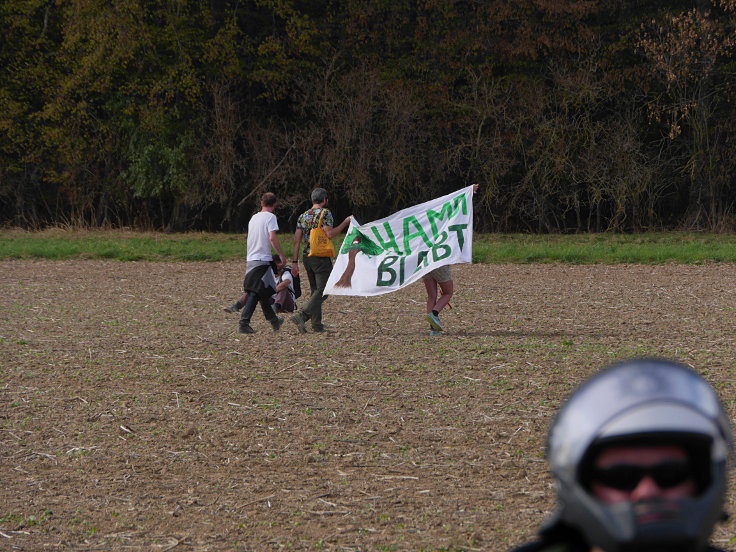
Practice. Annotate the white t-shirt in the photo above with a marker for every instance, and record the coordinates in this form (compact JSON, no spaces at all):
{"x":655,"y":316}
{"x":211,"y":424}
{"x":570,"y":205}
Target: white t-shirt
{"x":287,"y":277}
{"x":259,"y":246}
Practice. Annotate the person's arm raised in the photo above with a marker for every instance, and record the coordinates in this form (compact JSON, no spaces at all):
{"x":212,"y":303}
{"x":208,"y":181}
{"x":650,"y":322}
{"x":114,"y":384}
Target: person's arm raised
{"x":334,"y":231}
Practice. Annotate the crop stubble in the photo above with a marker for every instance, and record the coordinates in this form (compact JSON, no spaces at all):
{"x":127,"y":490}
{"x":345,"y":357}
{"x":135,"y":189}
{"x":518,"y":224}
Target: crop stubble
{"x":133,"y":416}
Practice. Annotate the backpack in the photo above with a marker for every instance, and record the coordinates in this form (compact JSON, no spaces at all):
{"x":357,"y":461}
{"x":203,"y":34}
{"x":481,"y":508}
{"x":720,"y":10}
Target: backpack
{"x":296,"y":283}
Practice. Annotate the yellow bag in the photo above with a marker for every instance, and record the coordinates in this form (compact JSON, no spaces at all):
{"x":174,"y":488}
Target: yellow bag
{"x":319,"y":244}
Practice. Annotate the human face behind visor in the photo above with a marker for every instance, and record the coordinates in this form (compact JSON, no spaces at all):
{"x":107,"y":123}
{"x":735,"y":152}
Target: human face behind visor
{"x":636,"y":473}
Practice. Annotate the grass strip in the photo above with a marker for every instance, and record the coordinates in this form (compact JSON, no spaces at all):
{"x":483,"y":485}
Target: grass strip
{"x":649,"y":248}
{"x":124,"y":245}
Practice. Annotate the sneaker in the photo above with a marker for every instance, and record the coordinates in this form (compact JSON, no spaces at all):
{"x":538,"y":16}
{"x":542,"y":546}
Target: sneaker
{"x":299,"y":321}
{"x":322,"y":329}
{"x":276,"y":323}
{"x":434,"y":321}
{"x":232,"y":308}
{"x":434,"y":332}
{"x":246,"y":329}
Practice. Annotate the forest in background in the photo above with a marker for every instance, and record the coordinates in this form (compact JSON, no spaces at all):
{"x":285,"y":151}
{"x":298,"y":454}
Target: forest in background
{"x":573,"y":115}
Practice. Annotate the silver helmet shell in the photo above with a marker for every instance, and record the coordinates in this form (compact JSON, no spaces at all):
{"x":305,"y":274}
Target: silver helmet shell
{"x":640,"y":400}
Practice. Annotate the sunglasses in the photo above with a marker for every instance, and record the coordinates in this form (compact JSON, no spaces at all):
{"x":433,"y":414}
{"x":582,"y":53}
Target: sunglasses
{"x":626,"y":477}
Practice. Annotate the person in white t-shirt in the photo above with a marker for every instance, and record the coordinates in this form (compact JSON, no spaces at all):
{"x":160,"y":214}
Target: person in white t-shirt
{"x":259,"y":283}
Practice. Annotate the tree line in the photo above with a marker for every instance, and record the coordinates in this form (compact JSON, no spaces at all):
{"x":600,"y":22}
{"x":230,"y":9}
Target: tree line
{"x":572,"y":115}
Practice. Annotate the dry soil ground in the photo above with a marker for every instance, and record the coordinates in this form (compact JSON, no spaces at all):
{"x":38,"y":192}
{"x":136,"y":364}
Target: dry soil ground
{"x":133,"y":416}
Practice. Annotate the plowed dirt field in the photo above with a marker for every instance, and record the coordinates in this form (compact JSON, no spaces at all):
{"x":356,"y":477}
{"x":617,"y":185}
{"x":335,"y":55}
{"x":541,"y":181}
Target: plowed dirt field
{"x":133,"y":416}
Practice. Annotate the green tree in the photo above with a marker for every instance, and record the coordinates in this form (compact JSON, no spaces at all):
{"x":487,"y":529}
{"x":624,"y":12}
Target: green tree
{"x":27,"y":72}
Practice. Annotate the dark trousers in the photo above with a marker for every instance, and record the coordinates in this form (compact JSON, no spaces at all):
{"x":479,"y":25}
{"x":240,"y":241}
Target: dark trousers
{"x":251,"y":301}
{"x":318,"y":272}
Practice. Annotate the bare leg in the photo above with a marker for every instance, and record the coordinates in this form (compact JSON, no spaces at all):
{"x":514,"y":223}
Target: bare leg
{"x":431,"y":287}
{"x":447,"y":290}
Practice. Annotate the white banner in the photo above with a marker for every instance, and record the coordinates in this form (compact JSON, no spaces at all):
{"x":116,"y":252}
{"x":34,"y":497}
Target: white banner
{"x":388,"y":254}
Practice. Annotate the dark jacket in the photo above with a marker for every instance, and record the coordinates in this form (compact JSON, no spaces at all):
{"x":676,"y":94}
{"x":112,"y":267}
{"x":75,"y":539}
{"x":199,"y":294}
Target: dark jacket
{"x":260,"y":281}
{"x":563,"y":538}
{"x":556,"y":538}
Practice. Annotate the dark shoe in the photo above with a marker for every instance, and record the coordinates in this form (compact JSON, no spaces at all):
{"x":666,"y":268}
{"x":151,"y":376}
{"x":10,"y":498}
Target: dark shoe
{"x":246,"y":329}
{"x":299,"y":321}
{"x":232,"y":308}
{"x":322,"y":329}
{"x":276,"y":323}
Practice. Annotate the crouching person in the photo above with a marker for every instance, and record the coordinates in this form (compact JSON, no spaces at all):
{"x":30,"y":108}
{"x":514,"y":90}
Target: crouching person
{"x":285,"y":298}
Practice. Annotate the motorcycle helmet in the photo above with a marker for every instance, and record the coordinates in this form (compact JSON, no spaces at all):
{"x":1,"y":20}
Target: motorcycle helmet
{"x":634,"y":403}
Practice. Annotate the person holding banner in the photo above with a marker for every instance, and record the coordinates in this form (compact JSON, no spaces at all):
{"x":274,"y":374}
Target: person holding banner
{"x":439,"y":278}
{"x":318,"y":267}
{"x":420,"y":241}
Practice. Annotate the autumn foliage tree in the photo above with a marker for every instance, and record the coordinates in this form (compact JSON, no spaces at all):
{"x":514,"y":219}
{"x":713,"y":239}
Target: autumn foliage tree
{"x":691,"y":97}
{"x":573,"y":115}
